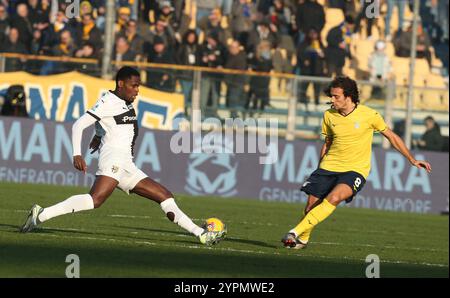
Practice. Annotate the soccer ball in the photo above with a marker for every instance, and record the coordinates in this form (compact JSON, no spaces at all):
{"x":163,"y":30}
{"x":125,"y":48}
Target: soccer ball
{"x":216,"y":225}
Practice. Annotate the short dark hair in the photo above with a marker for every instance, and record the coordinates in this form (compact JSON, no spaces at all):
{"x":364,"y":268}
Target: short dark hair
{"x":126,"y":72}
{"x":429,"y":117}
{"x":348,"y":85}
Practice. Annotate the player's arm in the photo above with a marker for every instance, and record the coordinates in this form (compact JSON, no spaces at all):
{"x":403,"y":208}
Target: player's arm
{"x":325,"y":147}
{"x":97,"y":138}
{"x":77,"y":133}
{"x":95,"y":143}
{"x":400,"y":146}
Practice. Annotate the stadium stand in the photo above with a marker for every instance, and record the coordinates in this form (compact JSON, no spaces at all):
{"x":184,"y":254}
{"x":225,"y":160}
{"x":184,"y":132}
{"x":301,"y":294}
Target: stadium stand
{"x":166,"y":22}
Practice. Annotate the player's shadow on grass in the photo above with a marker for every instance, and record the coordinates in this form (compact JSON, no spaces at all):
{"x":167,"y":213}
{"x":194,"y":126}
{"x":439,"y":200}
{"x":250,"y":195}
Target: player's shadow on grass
{"x":176,"y":233}
{"x":13,"y":228}
{"x":46,"y":230}
{"x":16,"y":229}
{"x":231,"y":239}
{"x":252,"y":242}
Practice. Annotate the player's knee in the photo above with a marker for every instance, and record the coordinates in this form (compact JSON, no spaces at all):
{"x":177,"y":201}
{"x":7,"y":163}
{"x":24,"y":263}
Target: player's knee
{"x":98,"y":200}
{"x":334,"y":199}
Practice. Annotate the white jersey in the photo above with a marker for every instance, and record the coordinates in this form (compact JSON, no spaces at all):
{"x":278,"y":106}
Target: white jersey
{"x":119,"y":131}
{"x":119,"y":122}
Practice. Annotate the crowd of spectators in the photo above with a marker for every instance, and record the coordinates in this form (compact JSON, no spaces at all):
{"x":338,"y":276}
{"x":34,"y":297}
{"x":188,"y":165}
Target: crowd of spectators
{"x":262,"y":35}
{"x":431,"y":139}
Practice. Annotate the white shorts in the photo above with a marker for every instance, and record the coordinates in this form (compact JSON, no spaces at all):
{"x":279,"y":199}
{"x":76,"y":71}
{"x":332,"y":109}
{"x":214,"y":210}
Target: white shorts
{"x":126,"y":173}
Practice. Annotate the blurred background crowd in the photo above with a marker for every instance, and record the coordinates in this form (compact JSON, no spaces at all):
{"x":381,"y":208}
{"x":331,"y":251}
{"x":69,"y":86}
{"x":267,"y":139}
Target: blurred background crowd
{"x":318,"y":38}
{"x":283,"y":35}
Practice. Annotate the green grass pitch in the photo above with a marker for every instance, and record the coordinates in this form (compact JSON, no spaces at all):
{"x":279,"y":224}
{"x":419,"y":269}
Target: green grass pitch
{"x":129,"y":236}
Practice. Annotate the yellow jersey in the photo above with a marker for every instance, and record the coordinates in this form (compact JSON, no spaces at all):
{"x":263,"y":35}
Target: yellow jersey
{"x":352,"y":136}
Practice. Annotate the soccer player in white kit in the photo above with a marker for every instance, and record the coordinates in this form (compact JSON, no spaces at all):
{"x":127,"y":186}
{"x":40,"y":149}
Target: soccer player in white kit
{"x":115,"y":114}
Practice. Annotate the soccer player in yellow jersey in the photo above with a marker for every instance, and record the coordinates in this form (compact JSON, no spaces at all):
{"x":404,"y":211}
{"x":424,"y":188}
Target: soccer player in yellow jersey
{"x":344,"y":159}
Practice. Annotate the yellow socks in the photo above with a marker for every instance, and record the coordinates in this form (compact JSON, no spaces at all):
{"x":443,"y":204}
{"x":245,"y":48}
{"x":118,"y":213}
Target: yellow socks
{"x":315,"y":216}
{"x":304,"y":237}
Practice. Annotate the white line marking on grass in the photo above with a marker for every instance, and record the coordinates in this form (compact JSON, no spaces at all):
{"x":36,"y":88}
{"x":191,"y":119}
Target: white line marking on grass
{"x":379,"y":232}
{"x":129,"y":216}
{"x":225,"y":249}
{"x":63,"y":229}
{"x":381,"y":246}
{"x":245,"y":222}
{"x":197,"y":219}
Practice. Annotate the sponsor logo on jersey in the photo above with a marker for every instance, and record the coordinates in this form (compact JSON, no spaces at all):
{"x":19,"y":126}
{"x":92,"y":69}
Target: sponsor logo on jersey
{"x":128,"y":117}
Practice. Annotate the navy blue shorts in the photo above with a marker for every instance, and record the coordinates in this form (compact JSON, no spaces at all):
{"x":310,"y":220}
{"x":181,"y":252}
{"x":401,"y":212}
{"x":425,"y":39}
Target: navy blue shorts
{"x":321,"y":183}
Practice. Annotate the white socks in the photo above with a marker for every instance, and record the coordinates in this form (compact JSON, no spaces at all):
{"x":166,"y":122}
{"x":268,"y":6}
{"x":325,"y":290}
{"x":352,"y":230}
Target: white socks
{"x":180,"y":218}
{"x":84,"y":202}
{"x":71,"y":205}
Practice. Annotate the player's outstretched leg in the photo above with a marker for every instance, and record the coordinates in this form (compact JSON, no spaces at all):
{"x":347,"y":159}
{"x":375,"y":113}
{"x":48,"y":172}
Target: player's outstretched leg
{"x":339,"y":193}
{"x":152,"y":190}
{"x":292,"y":239}
{"x":73,"y":204}
{"x":175,"y":214}
{"x":314,"y":217}
{"x":100,"y":191}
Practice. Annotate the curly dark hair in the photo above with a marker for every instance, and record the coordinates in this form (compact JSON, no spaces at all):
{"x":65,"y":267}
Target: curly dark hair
{"x":126,"y":72}
{"x":348,"y":85}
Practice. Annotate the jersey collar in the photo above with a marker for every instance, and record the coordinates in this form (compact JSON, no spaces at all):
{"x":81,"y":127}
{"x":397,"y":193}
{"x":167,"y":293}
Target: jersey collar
{"x":350,"y":112}
{"x":112,"y":92}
